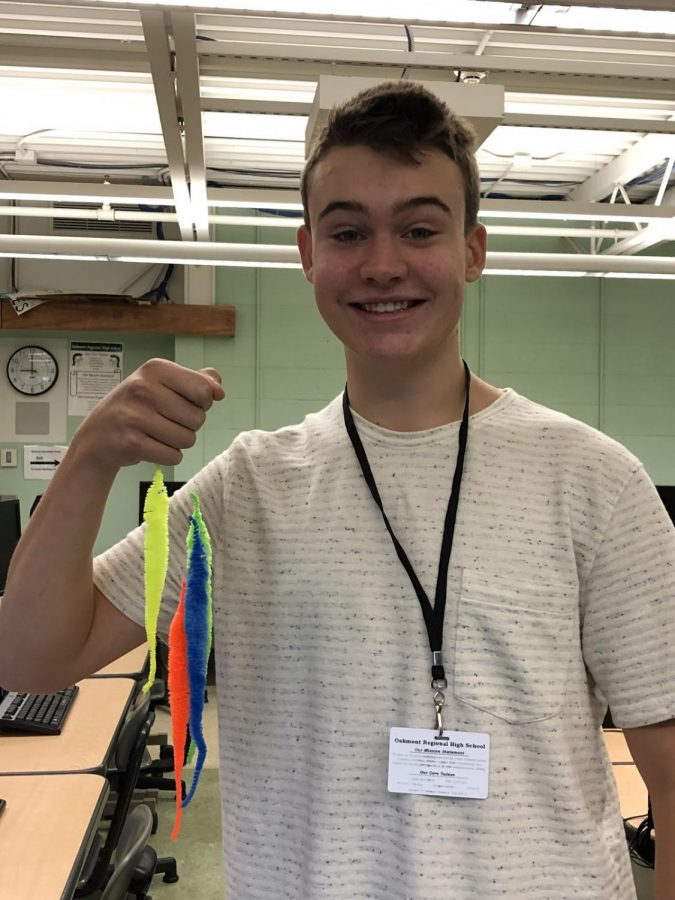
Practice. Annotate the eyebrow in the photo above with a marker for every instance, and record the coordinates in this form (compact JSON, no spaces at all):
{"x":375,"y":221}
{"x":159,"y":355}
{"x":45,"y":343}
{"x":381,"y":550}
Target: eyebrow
{"x":401,"y":206}
{"x":413,"y":202}
{"x":341,"y":205}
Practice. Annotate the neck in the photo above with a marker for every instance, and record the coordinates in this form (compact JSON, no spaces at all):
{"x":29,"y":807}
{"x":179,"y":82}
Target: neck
{"x":406,"y":399}
{"x":411,"y":398}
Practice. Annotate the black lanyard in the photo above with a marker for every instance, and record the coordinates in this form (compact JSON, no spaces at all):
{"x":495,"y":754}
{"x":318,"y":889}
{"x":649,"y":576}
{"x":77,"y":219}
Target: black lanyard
{"x":433,"y":616}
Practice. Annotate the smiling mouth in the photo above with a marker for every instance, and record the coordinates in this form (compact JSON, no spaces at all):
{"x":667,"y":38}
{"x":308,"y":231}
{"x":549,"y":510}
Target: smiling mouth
{"x":387,"y":306}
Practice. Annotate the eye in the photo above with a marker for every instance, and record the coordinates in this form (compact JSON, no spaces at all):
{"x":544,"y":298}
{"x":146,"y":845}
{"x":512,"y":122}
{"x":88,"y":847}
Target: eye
{"x":347,"y":236}
{"x":420,"y":233}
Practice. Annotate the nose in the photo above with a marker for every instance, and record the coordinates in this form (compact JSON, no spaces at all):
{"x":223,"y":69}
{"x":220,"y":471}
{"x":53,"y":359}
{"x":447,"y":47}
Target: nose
{"x":384,"y":262}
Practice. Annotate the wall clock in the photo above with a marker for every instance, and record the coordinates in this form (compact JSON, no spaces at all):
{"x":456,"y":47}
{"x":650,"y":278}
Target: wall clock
{"x":32,"y":370}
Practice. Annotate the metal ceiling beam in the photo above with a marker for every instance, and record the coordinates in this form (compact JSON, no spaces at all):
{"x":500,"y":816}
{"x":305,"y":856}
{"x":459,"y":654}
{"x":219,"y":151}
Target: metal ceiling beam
{"x":206,"y":10}
{"x":653,"y":5}
{"x":271,"y":106}
{"x":71,"y":55}
{"x":75,"y":53}
{"x":187,"y":89}
{"x":442,"y":59}
{"x":20,"y":49}
{"x":591,"y":122}
{"x":159,"y":53}
{"x":643,"y":155}
{"x":572,"y":211}
{"x":288,"y":198}
{"x":120,"y":24}
{"x":653,"y":233}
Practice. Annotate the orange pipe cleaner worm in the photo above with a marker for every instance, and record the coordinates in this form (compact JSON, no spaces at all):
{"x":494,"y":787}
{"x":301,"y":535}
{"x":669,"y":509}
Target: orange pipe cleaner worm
{"x":179,"y":699}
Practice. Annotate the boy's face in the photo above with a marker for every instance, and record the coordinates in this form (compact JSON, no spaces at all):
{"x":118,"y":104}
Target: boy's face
{"x":387,"y":254}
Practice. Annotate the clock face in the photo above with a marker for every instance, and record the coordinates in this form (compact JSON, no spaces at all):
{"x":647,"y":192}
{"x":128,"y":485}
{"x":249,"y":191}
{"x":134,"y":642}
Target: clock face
{"x":32,"y":370}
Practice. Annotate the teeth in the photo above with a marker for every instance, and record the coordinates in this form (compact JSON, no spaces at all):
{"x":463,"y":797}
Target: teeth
{"x":386,"y":307}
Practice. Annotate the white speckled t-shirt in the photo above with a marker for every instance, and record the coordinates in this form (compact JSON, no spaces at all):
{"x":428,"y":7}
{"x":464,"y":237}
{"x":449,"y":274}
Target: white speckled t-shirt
{"x":561,"y":597}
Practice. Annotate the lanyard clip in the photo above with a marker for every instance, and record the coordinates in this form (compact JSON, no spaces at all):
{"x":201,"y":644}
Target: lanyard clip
{"x":439,"y":702}
{"x":438,"y":679}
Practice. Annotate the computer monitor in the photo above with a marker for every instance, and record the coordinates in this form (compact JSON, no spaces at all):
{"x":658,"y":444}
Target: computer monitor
{"x":10,"y":532}
{"x":667,"y":495}
{"x":171,"y":488}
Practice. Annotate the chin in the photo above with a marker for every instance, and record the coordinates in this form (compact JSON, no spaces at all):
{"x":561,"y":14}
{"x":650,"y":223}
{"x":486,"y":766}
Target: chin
{"x":386,"y":355}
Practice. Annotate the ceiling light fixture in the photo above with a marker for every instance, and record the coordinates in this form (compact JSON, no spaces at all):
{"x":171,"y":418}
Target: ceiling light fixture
{"x":208,"y":253}
{"x":86,"y":193}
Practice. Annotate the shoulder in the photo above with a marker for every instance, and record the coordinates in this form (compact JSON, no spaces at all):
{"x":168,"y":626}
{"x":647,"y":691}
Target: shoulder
{"x":570,"y":457}
{"x":564,"y":437}
{"x":311,"y":439}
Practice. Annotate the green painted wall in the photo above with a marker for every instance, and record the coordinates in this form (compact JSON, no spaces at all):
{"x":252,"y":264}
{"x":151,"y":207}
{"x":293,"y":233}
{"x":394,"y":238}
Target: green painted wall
{"x":601,"y":350}
{"x":598,"y":349}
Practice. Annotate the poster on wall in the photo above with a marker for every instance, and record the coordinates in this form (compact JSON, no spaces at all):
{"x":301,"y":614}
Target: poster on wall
{"x":94,"y":369}
{"x":40,"y":461}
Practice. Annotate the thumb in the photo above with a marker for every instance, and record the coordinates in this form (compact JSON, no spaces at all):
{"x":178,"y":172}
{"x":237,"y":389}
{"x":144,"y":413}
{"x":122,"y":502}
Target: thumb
{"x":214,"y":375}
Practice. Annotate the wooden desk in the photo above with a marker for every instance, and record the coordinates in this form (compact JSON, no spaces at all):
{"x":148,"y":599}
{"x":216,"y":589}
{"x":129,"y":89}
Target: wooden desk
{"x":632,"y":789}
{"x":45,"y":833}
{"x":130,"y":665}
{"x":86,"y":739}
{"x":617,"y":746}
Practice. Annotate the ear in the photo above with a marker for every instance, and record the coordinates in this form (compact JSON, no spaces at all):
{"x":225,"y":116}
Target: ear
{"x":303,"y":237}
{"x":476,"y":253}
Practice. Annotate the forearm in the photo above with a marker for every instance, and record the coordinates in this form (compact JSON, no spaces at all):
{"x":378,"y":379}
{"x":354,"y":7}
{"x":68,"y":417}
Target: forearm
{"x":47,"y":610}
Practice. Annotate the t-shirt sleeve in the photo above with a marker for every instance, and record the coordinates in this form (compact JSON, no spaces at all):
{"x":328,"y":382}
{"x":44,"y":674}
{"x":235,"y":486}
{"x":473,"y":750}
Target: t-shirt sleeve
{"x":628,"y":625}
{"x":119,"y":571}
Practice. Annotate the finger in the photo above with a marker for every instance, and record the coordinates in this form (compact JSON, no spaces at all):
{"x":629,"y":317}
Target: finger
{"x":175,"y":408}
{"x":158,"y":453}
{"x":214,"y":374}
{"x":194,"y":386}
{"x":160,"y":430}
{"x":170,"y":434}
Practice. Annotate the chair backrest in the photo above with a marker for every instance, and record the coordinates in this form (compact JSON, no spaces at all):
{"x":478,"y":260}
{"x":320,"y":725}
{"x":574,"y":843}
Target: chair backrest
{"x":129,"y":733}
{"x":130,"y":848}
{"x":129,"y":750}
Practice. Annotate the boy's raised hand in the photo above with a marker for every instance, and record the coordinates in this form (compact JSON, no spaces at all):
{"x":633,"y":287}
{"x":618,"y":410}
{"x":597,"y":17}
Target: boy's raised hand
{"x":151,"y":416}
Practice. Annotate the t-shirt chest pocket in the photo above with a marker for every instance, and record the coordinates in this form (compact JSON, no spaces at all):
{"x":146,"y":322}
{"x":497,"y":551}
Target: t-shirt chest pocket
{"x":514,"y":646}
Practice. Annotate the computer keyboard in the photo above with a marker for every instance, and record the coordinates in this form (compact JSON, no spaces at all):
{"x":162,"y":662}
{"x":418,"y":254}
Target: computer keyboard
{"x":36,"y":713}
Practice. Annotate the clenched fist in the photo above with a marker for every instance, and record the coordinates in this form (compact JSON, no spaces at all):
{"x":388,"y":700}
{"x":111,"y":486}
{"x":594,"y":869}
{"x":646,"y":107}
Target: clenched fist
{"x":151,"y":416}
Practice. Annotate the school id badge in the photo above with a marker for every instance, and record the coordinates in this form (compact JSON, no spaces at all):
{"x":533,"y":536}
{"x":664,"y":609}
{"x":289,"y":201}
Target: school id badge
{"x":456,"y":764}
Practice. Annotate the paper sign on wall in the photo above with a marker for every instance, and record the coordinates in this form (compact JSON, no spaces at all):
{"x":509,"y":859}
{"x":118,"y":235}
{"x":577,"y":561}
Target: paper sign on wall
{"x":94,"y":369}
{"x":40,"y":461}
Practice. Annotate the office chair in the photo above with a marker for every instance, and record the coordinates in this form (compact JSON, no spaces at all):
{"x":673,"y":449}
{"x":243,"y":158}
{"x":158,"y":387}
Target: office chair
{"x":129,"y":753}
{"x":157,"y":774}
{"x":640,"y":839}
{"x":130,"y":847}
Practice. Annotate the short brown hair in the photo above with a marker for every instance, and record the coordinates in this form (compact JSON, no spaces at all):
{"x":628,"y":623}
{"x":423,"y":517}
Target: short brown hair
{"x":400,"y":119}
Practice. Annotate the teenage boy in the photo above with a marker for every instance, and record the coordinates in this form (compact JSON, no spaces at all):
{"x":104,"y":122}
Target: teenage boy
{"x":428,"y":554}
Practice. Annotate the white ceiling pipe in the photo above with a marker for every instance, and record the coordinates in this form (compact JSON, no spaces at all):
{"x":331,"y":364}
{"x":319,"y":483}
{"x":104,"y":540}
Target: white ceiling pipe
{"x":104,"y":215}
{"x":132,"y":215}
{"x":215,"y":254}
{"x":124,"y":215}
{"x":72,"y":192}
{"x":554,"y":231}
{"x":583,"y":262}
{"x":111,"y":248}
